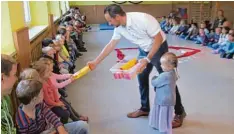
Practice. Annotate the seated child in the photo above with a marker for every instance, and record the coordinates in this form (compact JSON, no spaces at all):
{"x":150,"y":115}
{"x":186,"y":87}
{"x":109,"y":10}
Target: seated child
{"x":161,"y":114}
{"x":192,"y":32}
{"x":49,"y":52}
{"x":168,"y":26}
{"x":182,"y":28}
{"x":231,"y":31}
{"x":34,"y":117}
{"x":165,"y":24}
{"x":222,"y":39}
{"x":51,"y":97}
{"x":203,"y":26}
{"x":175,"y":26}
{"x":163,"y":21}
{"x":215,"y":37}
{"x":66,"y":79}
{"x":227,"y":50}
{"x":202,"y":38}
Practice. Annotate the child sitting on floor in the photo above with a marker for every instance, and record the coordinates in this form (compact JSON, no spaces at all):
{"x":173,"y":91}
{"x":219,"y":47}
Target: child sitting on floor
{"x":161,"y":114}
{"x":66,"y":79}
{"x":227,"y":50}
{"x":34,"y":117}
{"x":231,"y":31}
{"x":203,"y":26}
{"x":163,"y":21}
{"x":50,"y":95}
{"x":168,"y":26}
{"x":202,"y":38}
{"x":222,"y":39}
{"x":192,"y":32}
{"x":175,"y":26}
{"x":165,"y":24}
{"x":49,"y":52}
{"x":215,"y":37}
{"x":182,"y":28}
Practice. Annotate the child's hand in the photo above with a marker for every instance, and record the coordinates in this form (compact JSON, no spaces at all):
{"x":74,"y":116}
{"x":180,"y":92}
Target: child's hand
{"x":72,"y":78}
{"x":60,"y":104}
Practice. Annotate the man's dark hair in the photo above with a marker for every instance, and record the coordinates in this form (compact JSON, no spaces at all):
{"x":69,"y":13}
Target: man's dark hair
{"x":6,"y":64}
{"x":114,"y":10}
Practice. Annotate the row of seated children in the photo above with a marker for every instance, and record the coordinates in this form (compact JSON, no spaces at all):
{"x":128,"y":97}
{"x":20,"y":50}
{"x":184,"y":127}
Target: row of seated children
{"x":221,"y":38}
{"x":43,"y":110}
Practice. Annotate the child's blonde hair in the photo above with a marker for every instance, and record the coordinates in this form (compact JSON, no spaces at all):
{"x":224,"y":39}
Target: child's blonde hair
{"x":29,"y":74}
{"x":41,"y":66}
{"x":171,"y":59}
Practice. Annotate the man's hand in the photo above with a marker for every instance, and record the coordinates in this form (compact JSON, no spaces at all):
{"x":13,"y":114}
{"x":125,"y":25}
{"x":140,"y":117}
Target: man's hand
{"x":142,"y":65}
{"x":92,"y":64}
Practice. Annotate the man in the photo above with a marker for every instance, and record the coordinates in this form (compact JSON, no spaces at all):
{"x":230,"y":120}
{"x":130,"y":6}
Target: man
{"x":8,"y":79}
{"x":144,"y":30}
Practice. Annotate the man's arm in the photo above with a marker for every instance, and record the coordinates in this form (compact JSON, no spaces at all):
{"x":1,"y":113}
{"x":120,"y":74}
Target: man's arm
{"x":158,"y":40}
{"x":106,"y":51}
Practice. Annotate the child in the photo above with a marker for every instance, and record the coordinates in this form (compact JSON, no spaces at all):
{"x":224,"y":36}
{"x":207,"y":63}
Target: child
{"x":175,"y":27}
{"x":203,"y":26}
{"x":161,"y":113}
{"x":202,"y":38}
{"x":231,"y":31}
{"x":163,"y":21}
{"x":34,"y":117}
{"x":50,"y":95}
{"x":30,"y":74}
{"x":168,"y":26}
{"x":215,"y":37}
{"x":222,"y":39}
{"x":183,"y":28}
{"x":165,"y":24}
{"x":66,"y":79}
{"x":192,"y":32}
{"x":227,"y":50}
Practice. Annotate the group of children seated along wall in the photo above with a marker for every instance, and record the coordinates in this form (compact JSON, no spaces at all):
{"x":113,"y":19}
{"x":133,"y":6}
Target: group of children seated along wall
{"x":220,"y":39}
{"x":54,"y":70}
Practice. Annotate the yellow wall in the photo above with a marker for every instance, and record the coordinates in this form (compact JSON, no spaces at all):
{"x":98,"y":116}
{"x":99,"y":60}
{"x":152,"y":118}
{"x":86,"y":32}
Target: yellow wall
{"x":54,"y":8}
{"x":7,"y":44}
{"x":12,"y":20}
{"x":73,"y":3}
{"x":16,"y":10}
{"x":39,"y":13}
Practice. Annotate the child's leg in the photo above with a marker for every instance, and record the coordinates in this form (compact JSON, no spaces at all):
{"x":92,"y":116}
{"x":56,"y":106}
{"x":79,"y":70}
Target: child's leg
{"x":215,"y":46}
{"x":62,"y":113}
{"x":222,"y":54}
{"x":229,"y":56}
{"x":68,"y":106}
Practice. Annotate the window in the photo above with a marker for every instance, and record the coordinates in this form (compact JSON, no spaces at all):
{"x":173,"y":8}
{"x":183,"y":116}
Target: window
{"x":67,"y":5}
{"x":27,"y":16}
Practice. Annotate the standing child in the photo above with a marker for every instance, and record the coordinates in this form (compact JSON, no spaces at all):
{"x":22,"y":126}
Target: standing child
{"x":161,"y":114}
